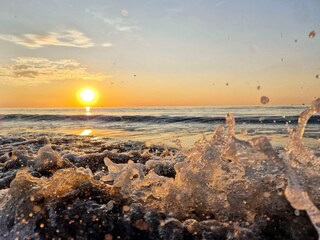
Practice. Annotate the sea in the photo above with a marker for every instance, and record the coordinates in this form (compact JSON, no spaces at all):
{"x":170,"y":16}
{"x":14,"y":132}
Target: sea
{"x":148,"y":173}
{"x":158,"y":125}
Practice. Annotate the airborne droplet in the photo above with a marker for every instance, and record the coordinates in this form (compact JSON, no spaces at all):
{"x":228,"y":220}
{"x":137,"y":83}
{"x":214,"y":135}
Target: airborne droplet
{"x":264,"y":100}
{"x":312,"y":34}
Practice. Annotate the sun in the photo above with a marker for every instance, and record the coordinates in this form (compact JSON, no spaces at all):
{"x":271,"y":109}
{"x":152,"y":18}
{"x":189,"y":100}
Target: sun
{"x":88,"y":95}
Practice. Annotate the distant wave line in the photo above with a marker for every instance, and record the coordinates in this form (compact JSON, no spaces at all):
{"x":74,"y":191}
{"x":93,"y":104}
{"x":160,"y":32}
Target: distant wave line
{"x":154,"y":119}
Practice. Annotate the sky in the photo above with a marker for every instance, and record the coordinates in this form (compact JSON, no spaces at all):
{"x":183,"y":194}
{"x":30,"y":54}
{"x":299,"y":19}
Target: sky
{"x":159,"y":53}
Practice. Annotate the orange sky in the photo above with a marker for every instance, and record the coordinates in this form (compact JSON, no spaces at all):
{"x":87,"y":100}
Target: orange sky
{"x":168,"y":54}
{"x":154,"y":93}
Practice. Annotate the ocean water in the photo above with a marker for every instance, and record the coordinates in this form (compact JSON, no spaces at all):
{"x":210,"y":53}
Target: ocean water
{"x":224,"y":186}
{"x":158,"y":124}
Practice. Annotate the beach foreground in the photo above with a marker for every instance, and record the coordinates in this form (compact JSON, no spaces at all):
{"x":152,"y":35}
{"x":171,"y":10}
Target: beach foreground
{"x":221,"y":188}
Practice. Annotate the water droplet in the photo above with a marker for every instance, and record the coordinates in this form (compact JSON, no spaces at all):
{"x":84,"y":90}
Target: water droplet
{"x":36,"y":208}
{"x":264,"y":100}
{"x":124,"y":12}
{"x":141,"y":224}
{"x":253,"y":48}
{"x":108,"y":236}
{"x":312,"y":34}
{"x":244,"y":132}
{"x":126,"y":208}
{"x":178,"y":143}
{"x":266,"y":194}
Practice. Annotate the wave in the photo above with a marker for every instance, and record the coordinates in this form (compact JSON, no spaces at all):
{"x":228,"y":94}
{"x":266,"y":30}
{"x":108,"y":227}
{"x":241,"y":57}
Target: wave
{"x":155,"y":119}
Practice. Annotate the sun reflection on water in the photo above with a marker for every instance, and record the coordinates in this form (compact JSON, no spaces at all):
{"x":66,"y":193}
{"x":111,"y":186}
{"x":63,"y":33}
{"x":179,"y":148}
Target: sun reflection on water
{"x":88,"y":110}
{"x":86,"y":132}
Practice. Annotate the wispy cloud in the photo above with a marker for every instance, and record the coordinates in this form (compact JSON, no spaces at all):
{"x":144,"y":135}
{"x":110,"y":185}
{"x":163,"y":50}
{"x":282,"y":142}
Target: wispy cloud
{"x":117,"y":23}
{"x":69,"y":38}
{"x":34,"y":71}
{"x":106,"y":44}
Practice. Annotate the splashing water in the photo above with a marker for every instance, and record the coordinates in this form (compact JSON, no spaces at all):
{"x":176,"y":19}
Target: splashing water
{"x":225,"y":176}
{"x":298,"y":155}
{"x":223,"y":186}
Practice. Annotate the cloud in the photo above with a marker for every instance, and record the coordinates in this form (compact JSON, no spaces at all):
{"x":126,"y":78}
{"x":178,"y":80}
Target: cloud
{"x":69,"y":38}
{"x":106,"y":44}
{"x":35,"y":71}
{"x":118,"y":23}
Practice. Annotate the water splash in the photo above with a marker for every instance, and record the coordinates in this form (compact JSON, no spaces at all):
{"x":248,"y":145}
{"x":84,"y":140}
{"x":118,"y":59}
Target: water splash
{"x":238,"y":187}
{"x":298,"y":155}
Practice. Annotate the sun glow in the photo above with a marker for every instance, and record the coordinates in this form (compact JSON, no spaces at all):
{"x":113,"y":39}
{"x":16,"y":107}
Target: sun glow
{"x":87,"y":95}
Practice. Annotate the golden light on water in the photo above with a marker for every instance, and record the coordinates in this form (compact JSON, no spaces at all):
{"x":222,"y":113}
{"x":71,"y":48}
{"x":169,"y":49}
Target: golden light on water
{"x":86,"y":132}
{"x":88,"y":109}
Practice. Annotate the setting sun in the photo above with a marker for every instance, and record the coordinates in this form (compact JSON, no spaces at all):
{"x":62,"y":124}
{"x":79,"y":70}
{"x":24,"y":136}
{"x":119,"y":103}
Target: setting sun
{"x":87,"y":95}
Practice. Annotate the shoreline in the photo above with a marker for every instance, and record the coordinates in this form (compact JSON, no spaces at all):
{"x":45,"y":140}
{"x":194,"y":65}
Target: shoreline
{"x":222,"y":187}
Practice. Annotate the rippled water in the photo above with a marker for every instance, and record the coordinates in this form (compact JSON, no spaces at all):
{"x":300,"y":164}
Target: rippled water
{"x":158,"y":124}
{"x":222,"y":187}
